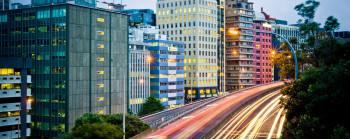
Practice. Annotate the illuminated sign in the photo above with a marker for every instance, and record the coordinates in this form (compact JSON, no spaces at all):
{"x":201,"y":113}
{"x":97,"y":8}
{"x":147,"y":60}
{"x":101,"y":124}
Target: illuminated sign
{"x":172,"y":49}
{"x":267,"y":25}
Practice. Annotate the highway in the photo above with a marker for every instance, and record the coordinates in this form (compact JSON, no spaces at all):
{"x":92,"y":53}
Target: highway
{"x":261,"y":119}
{"x":201,"y":121}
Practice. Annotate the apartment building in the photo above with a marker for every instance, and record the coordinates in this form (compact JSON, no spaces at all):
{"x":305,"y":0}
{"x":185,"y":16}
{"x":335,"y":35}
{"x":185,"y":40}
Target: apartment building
{"x":193,"y":22}
{"x":239,"y":46}
{"x":15,"y":97}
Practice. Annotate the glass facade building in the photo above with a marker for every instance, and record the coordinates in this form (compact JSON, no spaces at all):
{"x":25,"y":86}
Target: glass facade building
{"x":141,"y":17}
{"x":221,"y":46}
{"x":87,"y":3}
{"x":79,"y":59}
{"x":167,"y":72}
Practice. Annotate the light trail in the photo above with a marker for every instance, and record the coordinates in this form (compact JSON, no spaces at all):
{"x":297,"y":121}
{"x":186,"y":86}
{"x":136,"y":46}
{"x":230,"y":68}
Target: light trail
{"x":275,"y":123}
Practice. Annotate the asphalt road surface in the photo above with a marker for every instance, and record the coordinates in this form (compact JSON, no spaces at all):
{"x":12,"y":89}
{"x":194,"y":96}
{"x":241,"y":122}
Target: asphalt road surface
{"x":201,"y":121}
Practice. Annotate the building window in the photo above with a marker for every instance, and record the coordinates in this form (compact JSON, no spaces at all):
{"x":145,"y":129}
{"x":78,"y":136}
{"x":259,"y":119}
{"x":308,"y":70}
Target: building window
{"x":100,"y":98}
{"x":100,"y":85}
{"x":100,"y":72}
{"x":100,"y":112}
{"x":100,"y":59}
{"x":100,"y":46}
{"x":100,"y":33}
{"x":100,"y":20}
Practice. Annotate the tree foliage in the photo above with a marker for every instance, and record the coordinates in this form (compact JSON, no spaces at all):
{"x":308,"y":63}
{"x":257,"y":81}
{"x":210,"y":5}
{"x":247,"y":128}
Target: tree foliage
{"x":134,"y":124}
{"x":152,"y":105}
{"x":99,"y":126}
{"x":98,"y":131}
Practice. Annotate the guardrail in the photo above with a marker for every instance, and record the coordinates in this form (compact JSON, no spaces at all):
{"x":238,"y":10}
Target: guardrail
{"x":177,"y":115}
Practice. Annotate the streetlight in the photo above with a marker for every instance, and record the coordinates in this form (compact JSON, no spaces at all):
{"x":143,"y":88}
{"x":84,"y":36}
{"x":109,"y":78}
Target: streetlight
{"x":236,"y":32}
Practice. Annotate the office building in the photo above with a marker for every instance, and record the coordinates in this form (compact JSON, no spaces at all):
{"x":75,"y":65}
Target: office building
{"x":79,"y":60}
{"x":239,"y":47}
{"x":288,"y":32}
{"x":221,"y":47}
{"x":141,"y":17}
{"x":263,"y":70}
{"x":167,"y":72}
{"x":87,"y":3}
{"x":5,"y":5}
{"x":139,"y":70}
{"x":193,"y":22}
{"x":15,"y":101}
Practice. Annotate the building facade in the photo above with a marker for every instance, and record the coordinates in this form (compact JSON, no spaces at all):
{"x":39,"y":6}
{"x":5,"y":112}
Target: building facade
{"x":79,"y":60}
{"x":139,"y":71}
{"x":263,"y":71}
{"x":4,"y":5}
{"x":195,"y":23}
{"x":87,"y":3}
{"x":167,"y":72}
{"x":288,"y":32}
{"x":141,"y":17}
{"x":221,"y":47}
{"x":239,"y":47}
{"x":15,"y":97}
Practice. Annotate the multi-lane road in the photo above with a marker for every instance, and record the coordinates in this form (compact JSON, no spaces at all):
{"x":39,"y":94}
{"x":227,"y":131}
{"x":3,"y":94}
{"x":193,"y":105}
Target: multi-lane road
{"x":261,"y":119}
{"x":201,"y":121}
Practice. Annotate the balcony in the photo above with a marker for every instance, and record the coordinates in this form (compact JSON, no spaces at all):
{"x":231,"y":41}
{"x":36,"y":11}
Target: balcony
{"x":9,"y":93}
{"x":246,"y":77}
{"x":13,"y":120}
{"x":247,"y":83}
{"x":6,"y":107}
{"x":13,"y":134}
{"x":247,"y":65}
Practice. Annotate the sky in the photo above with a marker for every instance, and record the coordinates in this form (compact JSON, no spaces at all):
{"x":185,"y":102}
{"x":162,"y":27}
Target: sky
{"x":280,"y":9}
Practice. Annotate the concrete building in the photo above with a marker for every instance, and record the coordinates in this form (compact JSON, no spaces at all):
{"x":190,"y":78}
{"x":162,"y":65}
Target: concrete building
{"x":141,"y":17}
{"x":263,"y":71}
{"x":221,"y":47}
{"x":79,"y":60}
{"x":88,"y":3}
{"x":167,"y":72}
{"x":139,"y":70}
{"x":239,"y":47}
{"x":15,"y":97}
{"x":195,"y":23}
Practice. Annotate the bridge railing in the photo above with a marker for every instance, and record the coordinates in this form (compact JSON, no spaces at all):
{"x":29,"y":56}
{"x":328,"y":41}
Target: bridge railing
{"x":174,"y":114}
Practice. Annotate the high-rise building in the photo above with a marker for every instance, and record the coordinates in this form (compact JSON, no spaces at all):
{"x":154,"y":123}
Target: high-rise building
{"x":141,"y":17}
{"x":193,"y":22}
{"x":79,"y":60}
{"x":139,"y":70}
{"x":167,"y":72}
{"x":4,"y":5}
{"x":15,"y":101}
{"x":263,"y":71}
{"x":239,"y":46}
{"x":288,"y":32}
{"x":221,"y":46}
{"x":88,"y":3}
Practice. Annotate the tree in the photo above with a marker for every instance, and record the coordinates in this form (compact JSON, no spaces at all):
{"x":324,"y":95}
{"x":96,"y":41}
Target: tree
{"x":98,"y":131}
{"x":88,"y":118}
{"x":134,"y":125}
{"x":331,"y":25}
{"x":152,"y":105}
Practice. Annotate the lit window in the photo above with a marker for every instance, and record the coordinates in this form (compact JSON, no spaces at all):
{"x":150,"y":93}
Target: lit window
{"x":194,"y":60}
{"x":100,"y":20}
{"x":189,"y":16}
{"x":167,"y":12}
{"x":100,"y":112}
{"x":100,"y":33}
{"x":100,"y":59}
{"x":189,"y":9}
{"x":100,"y":98}
{"x":100,"y":46}
{"x":100,"y":85}
{"x":100,"y":72}
{"x":185,"y":67}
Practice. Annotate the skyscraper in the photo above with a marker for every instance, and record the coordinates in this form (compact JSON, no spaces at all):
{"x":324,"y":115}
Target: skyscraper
{"x":4,"y":5}
{"x":79,"y":60}
{"x":193,"y":22}
{"x":221,"y":50}
{"x":239,"y":47}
